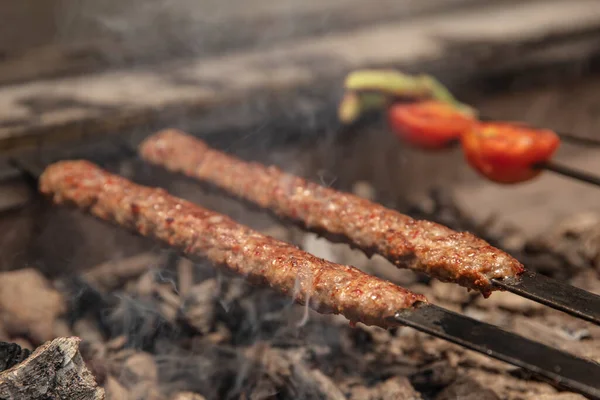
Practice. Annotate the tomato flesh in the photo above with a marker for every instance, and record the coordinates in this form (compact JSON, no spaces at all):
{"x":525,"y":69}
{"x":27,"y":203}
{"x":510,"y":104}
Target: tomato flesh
{"x":507,"y":153}
{"x":430,"y":125}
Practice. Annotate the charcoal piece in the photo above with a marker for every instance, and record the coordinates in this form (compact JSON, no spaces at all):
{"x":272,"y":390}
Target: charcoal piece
{"x":250,"y":313}
{"x":166,"y":275}
{"x":138,"y":378}
{"x":391,"y":389}
{"x":138,"y":368}
{"x":84,"y":299}
{"x":199,"y":307}
{"x":113,"y":274}
{"x":557,"y":396}
{"x":185,"y":276}
{"x":574,"y":240}
{"x":398,"y":388}
{"x":117,"y":314}
{"x":21,"y":294}
{"x":114,"y":389}
{"x":466,"y":388}
{"x":257,"y":372}
{"x":434,"y":376}
{"x":511,"y":302}
{"x":505,"y":385}
{"x":210,"y":370}
{"x":54,"y":370}
{"x":11,"y":354}
{"x":140,"y":321}
{"x":167,"y":300}
{"x":264,"y":389}
{"x":187,"y":396}
{"x":292,"y":376}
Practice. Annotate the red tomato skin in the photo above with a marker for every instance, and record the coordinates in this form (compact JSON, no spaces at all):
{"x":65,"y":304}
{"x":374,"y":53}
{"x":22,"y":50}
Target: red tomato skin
{"x":428,"y":125}
{"x":509,"y":156}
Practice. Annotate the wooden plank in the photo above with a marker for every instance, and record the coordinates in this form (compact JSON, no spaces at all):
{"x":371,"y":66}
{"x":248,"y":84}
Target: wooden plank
{"x":41,"y":112}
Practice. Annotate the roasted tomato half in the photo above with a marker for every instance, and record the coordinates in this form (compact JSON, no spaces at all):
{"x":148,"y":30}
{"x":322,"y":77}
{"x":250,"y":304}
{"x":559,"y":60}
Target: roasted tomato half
{"x":508,"y":152}
{"x":430,"y":125}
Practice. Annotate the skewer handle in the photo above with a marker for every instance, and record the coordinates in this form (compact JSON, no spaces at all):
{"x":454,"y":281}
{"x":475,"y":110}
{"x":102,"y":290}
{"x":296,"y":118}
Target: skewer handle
{"x":570,"y":172}
{"x":556,"y":294}
{"x":557,"y":367}
{"x":579,"y":140}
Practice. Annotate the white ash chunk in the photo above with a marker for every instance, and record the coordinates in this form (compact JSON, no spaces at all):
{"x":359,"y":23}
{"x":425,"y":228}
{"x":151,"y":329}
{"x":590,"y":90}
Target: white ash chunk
{"x":29,"y":305}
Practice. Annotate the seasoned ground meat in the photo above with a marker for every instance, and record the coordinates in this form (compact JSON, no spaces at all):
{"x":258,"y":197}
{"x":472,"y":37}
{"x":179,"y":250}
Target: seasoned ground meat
{"x":438,"y":251}
{"x":200,"y":233}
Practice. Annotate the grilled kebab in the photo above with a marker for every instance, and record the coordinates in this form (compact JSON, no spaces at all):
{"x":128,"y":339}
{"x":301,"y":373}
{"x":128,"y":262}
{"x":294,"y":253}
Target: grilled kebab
{"x":425,"y":246}
{"x":200,"y":233}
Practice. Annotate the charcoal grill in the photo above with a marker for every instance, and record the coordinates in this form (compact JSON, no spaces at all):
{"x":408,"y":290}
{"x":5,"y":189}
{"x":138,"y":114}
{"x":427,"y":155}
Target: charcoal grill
{"x":434,"y":320}
{"x":309,"y":135}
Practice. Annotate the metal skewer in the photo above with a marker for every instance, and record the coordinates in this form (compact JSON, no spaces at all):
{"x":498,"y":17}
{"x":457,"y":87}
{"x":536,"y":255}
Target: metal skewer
{"x":554,"y":365}
{"x":567,"y":137}
{"x":557,"y":367}
{"x":552,"y":293}
{"x":570,"y":172}
{"x":552,"y":166}
{"x":578,"y":140}
{"x":560,"y":169}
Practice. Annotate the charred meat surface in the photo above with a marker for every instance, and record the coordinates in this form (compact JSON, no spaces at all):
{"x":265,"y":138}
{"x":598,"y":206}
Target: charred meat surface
{"x":434,"y":249}
{"x":200,"y":233}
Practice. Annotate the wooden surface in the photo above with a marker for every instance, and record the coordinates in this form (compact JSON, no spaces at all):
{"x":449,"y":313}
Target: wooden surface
{"x":38,"y":112}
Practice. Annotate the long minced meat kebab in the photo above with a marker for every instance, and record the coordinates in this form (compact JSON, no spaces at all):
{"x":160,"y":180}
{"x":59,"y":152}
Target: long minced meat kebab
{"x":425,"y":246}
{"x":203,"y":234}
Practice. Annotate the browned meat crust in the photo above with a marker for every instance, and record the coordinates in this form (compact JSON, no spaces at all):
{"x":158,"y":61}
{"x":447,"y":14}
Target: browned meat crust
{"x":198,"y":232}
{"x":420,"y":245}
